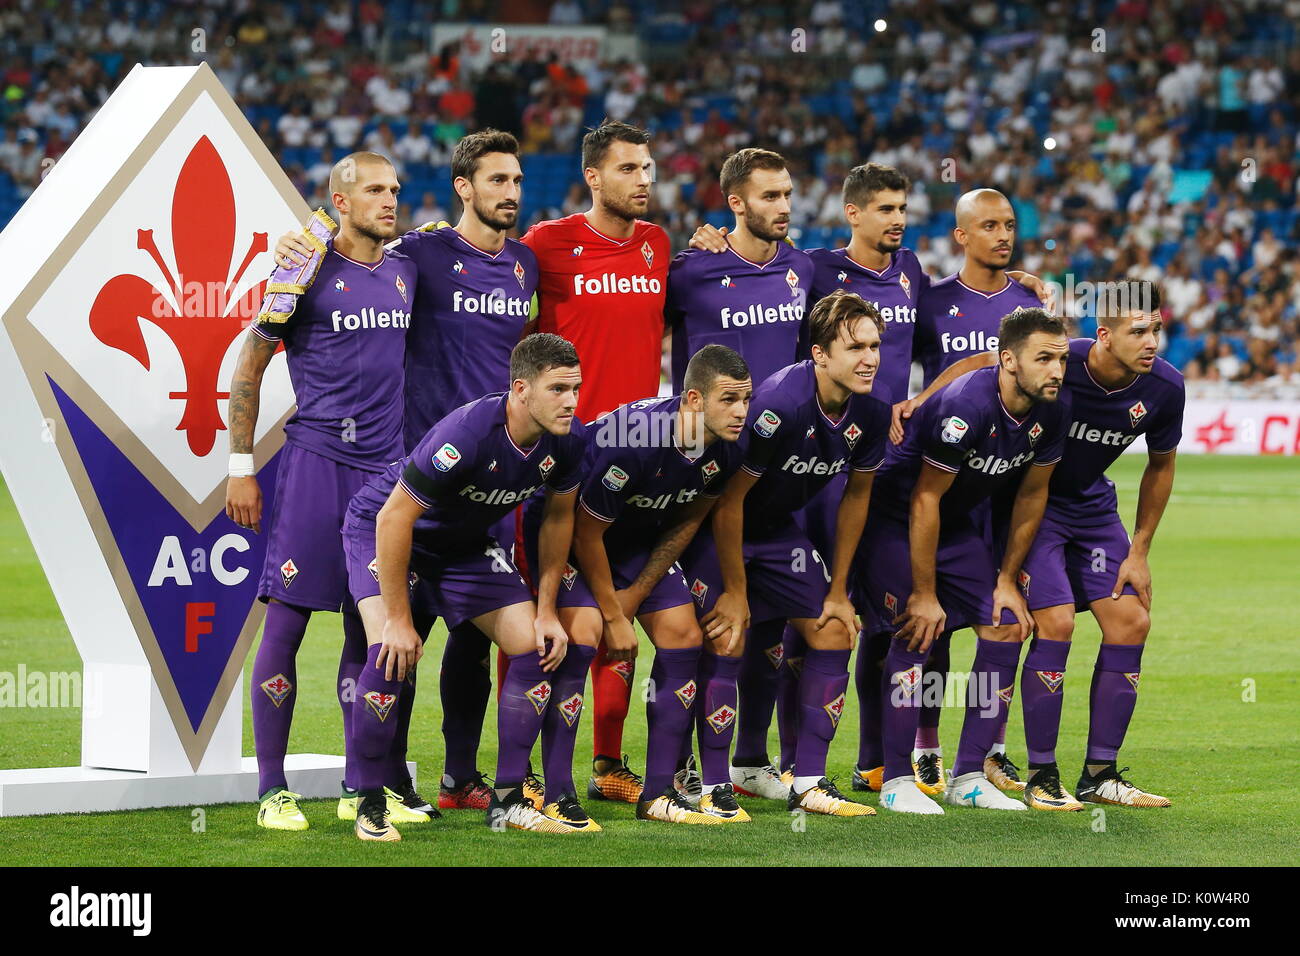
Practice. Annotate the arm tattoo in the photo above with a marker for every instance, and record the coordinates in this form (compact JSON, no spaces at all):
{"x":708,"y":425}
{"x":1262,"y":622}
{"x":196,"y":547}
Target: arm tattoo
{"x":667,"y":549}
{"x":245,"y":389}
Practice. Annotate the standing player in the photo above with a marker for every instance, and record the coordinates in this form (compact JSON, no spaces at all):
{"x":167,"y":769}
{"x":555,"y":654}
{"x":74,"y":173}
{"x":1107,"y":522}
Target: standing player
{"x":1082,"y":556}
{"x":753,"y":297}
{"x":926,"y":558}
{"x":957,"y":317}
{"x":604,"y":274}
{"x":472,"y":301}
{"x":432,"y":513}
{"x":814,"y":420}
{"x":345,"y":343}
{"x":653,"y":471}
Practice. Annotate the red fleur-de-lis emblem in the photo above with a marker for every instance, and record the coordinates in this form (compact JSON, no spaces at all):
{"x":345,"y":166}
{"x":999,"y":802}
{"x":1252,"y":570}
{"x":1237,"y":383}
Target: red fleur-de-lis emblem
{"x":203,"y":283}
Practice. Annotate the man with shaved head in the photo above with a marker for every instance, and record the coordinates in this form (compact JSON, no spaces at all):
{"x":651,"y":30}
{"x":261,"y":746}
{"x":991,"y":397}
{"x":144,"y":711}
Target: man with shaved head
{"x":345,"y":341}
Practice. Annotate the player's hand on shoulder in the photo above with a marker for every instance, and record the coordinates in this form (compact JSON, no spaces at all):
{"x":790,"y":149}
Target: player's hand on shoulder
{"x":620,"y":640}
{"x":244,"y":502}
{"x":1037,"y":286}
{"x":709,"y":238}
{"x":552,"y":641}
{"x":292,"y":249}
{"x":922,"y":621}
{"x":901,"y":412}
{"x":728,"y":620}
{"x":400,"y":650}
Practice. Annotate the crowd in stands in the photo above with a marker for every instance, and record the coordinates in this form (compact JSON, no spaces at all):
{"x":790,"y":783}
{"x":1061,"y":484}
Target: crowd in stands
{"x":1150,"y":138}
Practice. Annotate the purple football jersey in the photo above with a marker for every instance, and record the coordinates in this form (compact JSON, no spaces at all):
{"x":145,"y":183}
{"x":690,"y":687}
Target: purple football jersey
{"x":757,"y":309}
{"x":954,"y":321}
{"x":1103,"y":424}
{"x":895,"y":292}
{"x":796,"y":448}
{"x":965,"y":429}
{"x":346,"y":344}
{"x":638,"y":478}
{"x":472,"y":307}
{"x":468,"y":474}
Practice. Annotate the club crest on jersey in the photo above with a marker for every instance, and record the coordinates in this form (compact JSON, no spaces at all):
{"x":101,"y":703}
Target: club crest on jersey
{"x":1023,"y":580}
{"x":1006,"y":693}
{"x":381,"y":704}
{"x":288,"y":571}
{"x":686,"y":694}
{"x":341,"y":286}
{"x":1035,"y":433}
{"x":625,"y":670}
{"x":277,"y":688}
{"x":458,"y":267}
{"x":726,"y":282}
{"x":1133,"y":679}
{"x":545,"y":465}
{"x":614,"y":479}
{"x":891,"y":603}
{"x":373,"y":567}
{"x":909,"y":680}
{"x":539,"y":695}
{"x":571,"y":709}
{"x":722,"y":718}
{"x":792,"y":280}
{"x":401,"y":288}
{"x":954,"y":429}
{"x":843,"y":277}
{"x":519,"y":273}
{"x":568,"y":576}
{"x":852,"y":434}
{"x":710,"y":470}
{"x":1136,"y":413}
{"x":445,"y":457}
{"x":648,"y":254}
{"x":835,"y":710}
{"x":775,"y":654}
{"x":767,"y":423}
{"x":1051,"y":679}
{"x":699,"y":590}
{"x":906,"y":283}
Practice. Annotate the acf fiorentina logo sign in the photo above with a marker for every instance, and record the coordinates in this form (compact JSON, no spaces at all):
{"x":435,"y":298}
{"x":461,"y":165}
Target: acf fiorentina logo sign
{"x":127,"y":336}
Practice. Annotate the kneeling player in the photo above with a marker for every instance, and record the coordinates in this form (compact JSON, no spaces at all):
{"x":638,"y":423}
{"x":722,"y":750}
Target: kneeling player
{"x":813,"y":420}
{"x":927,"y":563}
{"x":1082,"y":557}
{"x":653,"y":471}
{"x":430,"y":513}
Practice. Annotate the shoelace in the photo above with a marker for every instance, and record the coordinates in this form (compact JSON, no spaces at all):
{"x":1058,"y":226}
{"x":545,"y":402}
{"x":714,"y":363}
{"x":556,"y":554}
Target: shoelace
{"x":531,"y":780}
{"x":625,"y":772}
{"x":1006,"y":766}
{"x":724,"y":798}
{"x":374,"y":810}
{"x":284,"y":800}
{"x":570,"y":807}
{"x":1049,"y":781}
{"x":828,"y":786}
{"x":927,"y":768}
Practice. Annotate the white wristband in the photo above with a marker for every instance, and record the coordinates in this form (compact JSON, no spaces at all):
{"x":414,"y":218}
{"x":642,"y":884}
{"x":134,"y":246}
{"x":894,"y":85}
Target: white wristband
{"x":241,"y":466}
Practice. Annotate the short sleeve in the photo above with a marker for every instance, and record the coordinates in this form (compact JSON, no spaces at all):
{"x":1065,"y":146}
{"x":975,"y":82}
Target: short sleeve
{"x":1052,"y":446}
{"x":1168,"y":430}
{"x":766,"y":430}
{"x":950,"y":433}
{"x":569,"y":471}
{"x":869,"y":451}
{"x":610,"y":481}
{"x":437,"y":464}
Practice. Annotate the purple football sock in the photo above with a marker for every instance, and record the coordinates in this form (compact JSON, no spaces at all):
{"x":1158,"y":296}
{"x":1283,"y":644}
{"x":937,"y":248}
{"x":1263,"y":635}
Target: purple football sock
{"x":1042,"y":690}
{"x":793,"y":649}
{"x":668,"y":714}
{"x":275,"y":690}
{"x":374,"y":721}
{"x":560,"y":722}
{"x":872,"y":651}
{"x":900,"y":687}
{"x":992,"y":685}
{"x":351,"y":659}
{"x":715,"y":716}
{"x":1112,"y":699}
{"x":525,"y":695}
{"x":933,"y":677}
{"x":821,"y":704}
{"x":465,"y":684}
{"x":756,"y":686}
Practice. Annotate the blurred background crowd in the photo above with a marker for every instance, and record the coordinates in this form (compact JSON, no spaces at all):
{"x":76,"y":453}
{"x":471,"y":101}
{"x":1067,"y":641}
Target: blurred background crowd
{"x":1148,"y":138}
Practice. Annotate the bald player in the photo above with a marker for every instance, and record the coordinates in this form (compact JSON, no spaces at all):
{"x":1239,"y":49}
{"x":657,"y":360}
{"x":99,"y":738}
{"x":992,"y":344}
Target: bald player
{"x":345,"y":341}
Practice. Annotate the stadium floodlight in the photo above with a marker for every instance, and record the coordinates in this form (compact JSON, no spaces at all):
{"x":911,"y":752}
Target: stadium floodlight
{"x":881,"y":25}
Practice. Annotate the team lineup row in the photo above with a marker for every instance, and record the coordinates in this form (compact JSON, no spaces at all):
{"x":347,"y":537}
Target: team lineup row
{"x":786,"y":489}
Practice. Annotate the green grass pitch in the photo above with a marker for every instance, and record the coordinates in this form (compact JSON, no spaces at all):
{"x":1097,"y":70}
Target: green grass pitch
{"x":1214,"y":730}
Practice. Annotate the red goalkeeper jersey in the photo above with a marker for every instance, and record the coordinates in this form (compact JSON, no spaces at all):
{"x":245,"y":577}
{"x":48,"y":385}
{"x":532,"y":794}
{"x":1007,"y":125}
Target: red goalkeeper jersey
{"x":606,"y":296}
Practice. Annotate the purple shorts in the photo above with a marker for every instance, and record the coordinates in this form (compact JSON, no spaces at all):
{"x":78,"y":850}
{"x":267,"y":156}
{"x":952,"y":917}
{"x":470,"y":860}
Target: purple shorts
{"x":1069,"y":564}
{"x":304,"y":549}
{"x":965,"y":574}
{"x":671,"y":590}
{"x":424,"y":595}
{"x":456,"y":587}
{"x":786,"y":576}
